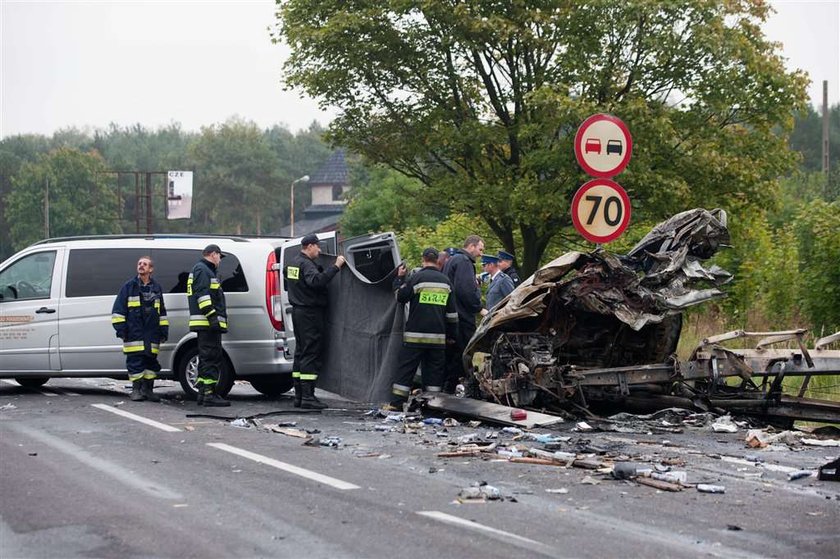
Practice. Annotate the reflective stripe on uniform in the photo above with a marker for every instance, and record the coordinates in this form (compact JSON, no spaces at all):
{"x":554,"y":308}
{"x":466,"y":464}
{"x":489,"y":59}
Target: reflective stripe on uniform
{"x":308,"y":376}
{"x":135,"y":376}
{"x":164,"y":320}
{"x":204,"y":301}
{"x":133,"y":347}
{"x":400,"y":389}
{"x":215,"y":284}
{"x":296,"y":374}
{"x":202,"y":380}
{"x":149,"y":375}
{"x":451,"y":317}
{"x":434,"y":389}
{"x":134,"y":301}
{"x":155,"y":348}
{"x":199,"y":320}
{"x":424,"y":338}
{"x":117,"y":318}
{"x":432,"y":287}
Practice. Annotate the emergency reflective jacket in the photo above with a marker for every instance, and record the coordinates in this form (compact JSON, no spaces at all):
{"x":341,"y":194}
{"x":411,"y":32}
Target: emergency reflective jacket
{"x":139,"y":317}
{"x":206,"y":298}
{"x":306,"y":282}
{"x":432,"y":316}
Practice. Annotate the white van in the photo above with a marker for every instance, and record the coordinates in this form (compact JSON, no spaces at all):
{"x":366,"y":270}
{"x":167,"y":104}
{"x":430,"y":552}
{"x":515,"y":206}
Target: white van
{"x":56,"y":298}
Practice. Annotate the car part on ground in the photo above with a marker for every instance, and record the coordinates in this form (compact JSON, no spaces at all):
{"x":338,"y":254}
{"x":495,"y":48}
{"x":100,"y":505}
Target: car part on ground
{"x":595,"y":328}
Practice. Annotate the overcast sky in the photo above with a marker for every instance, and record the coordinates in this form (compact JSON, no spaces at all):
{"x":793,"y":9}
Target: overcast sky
{"x":90,"y":63}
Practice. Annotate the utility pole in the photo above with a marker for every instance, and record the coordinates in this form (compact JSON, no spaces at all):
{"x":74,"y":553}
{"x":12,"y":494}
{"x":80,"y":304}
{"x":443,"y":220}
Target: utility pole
{"x":47,"y":210}
{"x":825,"y":165}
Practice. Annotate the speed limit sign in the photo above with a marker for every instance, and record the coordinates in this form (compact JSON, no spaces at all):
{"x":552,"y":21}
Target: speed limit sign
{"x":601,"y":210}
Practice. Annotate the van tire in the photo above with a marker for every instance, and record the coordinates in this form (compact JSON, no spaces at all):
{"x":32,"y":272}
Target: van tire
{"x":188,"y":371}
{"x":31,"y":382}
{"x":272,"y":385}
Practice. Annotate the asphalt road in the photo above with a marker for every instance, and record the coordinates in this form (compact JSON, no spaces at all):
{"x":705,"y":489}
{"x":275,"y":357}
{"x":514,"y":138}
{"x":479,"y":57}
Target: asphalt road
{"x":84,"y":472}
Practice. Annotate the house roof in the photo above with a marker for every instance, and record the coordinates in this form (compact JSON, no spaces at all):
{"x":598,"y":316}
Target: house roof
{"x":334,"y":171}
{"x":315,"y":225}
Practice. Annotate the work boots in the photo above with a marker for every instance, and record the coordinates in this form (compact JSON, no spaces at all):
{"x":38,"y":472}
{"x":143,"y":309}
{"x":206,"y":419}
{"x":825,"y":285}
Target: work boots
{"x":207,"y":397}
{"x":298,"y":393}
{"x":308,"y":400}
{"x":136,"y":391}
{"x":147,"y":387}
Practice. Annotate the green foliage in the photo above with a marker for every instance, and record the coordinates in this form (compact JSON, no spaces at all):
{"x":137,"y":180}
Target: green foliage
{"x":806,"y":137}
{"x":818,"y":231}
{"x":383,"y":200}
{"x":80,"y":201}
{"x":236,"y":164}
{"x":480,"y":100}
{"x":449,"y":232}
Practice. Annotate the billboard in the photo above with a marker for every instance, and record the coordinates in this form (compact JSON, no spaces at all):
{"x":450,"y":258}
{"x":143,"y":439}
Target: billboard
{"x":179,"y":187}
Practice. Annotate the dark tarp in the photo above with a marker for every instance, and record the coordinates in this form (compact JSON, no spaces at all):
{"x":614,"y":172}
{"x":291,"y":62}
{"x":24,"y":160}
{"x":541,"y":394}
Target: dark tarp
{"x":365,"y":326}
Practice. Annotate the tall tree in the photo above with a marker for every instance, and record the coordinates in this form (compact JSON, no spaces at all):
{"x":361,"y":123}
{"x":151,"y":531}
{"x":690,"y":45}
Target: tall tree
{"x":480,"y":99}
{"x":80,"y":203}
{"x":234,"y":170}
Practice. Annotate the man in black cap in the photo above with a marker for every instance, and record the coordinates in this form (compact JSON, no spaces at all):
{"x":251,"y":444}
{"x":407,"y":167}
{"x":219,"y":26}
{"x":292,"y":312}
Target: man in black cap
{"x":460,"y":269}
{"x":208,"y":319}
{"x":506,"y":265}
{"x":307,"y":286}
{"x":432,"y":322}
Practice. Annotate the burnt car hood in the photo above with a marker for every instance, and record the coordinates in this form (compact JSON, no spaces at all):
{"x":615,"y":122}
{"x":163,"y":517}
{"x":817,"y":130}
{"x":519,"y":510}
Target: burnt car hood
{"x":660,"y":277}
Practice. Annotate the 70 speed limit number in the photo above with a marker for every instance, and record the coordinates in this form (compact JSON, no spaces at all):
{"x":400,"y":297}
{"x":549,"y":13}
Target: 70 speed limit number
{"x":601,"y":210}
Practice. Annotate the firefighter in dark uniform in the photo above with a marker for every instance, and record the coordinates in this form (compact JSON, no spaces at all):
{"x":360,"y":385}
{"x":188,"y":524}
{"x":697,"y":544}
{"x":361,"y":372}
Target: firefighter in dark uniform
{"x":307,"y":286}
{"x":432,"y":323}
{"x":506,"y":265}
{"x":208,"y":319}
{"x":139,"y":317}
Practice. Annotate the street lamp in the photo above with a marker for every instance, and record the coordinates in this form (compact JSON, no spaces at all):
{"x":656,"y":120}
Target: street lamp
{"x":304,"y":178}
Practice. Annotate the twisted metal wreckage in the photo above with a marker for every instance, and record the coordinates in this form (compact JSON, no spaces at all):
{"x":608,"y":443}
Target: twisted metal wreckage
{"x":589,"y":329}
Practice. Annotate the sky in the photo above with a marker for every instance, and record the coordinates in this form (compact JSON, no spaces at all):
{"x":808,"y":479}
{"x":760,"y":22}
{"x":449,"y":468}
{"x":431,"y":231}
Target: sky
{"x":155,"y":62}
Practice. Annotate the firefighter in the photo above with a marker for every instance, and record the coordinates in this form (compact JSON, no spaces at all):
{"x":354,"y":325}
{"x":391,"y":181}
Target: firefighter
{"x":139,"y":317}
{"x":208,"y":320}
{"x":307,"y":285}
{"x":432,"y":324}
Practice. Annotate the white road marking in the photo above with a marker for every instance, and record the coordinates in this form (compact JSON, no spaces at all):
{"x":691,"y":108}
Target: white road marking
{"x":156,"y":424}
{"x":505,"y":536}
{"x":123,"y":475}
{"x":309,"y":474}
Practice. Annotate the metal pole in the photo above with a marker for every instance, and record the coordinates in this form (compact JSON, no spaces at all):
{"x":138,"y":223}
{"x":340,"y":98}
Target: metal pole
{"x":148,"y":203}
{"x":137,"y":201}
{"x":47,"y":210}
{"x":292,"y":210}
{"x":825,"y":129}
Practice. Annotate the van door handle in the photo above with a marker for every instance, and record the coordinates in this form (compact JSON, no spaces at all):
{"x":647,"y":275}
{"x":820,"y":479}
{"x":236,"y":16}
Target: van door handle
{"x":44,"y":310}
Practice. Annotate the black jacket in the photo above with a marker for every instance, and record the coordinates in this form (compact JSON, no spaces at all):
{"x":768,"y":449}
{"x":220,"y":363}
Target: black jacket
{"x":306,"y":282}
{"x":206,"y":298}
{"x":432,"y":318}
{"x":460,"y":269}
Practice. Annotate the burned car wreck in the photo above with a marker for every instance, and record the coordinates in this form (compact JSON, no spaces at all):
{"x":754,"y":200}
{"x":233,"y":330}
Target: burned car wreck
{"x":594,"y":329}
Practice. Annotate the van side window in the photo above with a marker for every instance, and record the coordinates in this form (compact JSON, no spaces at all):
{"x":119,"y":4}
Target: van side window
{"x":173,"y":266}
{"x":101,"y":271}
{"x":28,"y":278}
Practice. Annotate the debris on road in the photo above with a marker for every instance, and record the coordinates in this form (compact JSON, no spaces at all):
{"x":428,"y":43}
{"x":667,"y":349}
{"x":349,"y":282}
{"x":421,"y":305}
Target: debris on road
{"x":708,"y":488}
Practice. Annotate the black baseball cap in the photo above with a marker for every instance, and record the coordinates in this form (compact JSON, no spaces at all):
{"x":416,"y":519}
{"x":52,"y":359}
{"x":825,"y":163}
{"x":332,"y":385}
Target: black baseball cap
{"x":311,"y":239}
{"x":210,"y":249}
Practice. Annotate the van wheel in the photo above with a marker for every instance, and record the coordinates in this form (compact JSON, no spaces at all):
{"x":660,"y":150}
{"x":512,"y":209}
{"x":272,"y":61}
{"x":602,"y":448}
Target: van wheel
{"x":31,"y":382}
{"x":188,"y":373}
{"x":272,"y":386}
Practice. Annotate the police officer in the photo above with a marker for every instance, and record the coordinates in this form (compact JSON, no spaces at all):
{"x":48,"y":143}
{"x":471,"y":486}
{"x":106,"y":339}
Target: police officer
{"x":139,"y":317}
{"x":307,"y":285}
{"x":506,"y":265}
{"x":460,"y":269}
{"x":432,"y":322}
{"x":208,"y":319}
{"x":500,"y":284}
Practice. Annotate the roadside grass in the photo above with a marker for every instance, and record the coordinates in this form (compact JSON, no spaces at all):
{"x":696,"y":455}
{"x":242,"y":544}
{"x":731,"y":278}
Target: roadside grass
{"x":700,"y":325}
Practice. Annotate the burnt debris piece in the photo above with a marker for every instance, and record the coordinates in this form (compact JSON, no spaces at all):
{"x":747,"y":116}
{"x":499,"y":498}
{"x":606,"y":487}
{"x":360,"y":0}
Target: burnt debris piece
{"x":589,"y":329}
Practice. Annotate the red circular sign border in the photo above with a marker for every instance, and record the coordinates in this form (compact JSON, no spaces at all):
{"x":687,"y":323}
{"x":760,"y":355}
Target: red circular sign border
{"x":579,"y":152}
{"x":624,"y":222}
